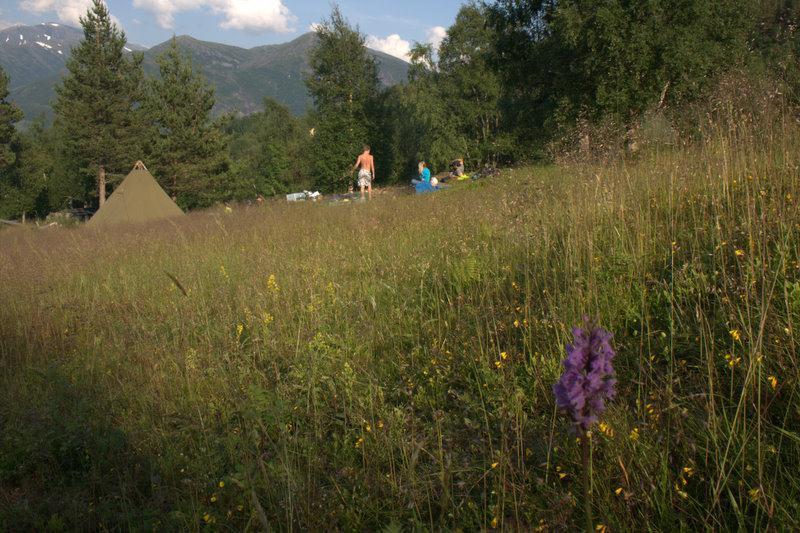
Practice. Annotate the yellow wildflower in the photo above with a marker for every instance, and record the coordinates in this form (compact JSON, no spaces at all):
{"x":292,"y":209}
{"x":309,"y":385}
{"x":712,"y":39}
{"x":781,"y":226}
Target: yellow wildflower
{"x":359,"y":442}
{"x":239,"y":330}
{"x":380,"y":424}
{"x":267,"y":318}
{"x":736,"y":335}
{"x":754,"y":494}
{"x":618,"y":491}
{"x":773,"y":382}
{"x":516,"y":323}
{"x":494,"y":522}
{"x":739,"y":252}
{"x":207,"y":518}
{"x":272,"y":284}
{"x":606,"y":430}
{"x":368,"y":428}
{"x":498,"y":364}
{"x":688,"y":470}
{"x":733,"y":362}
{"x":601,"y":528}
{"x":221,"y":484}
{"x":213,"y":498}
{"x":494,"y":465}
{"x":503,"y":356}
{"x":634,"y":436}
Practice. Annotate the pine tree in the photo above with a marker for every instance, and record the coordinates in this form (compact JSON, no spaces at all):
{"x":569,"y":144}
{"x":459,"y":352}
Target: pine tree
{"x":9,"y":151}
{"x":9,"y":115}
{"x":344,"y":86}
{"x":96,"y":103}
{"x":188,"y":149}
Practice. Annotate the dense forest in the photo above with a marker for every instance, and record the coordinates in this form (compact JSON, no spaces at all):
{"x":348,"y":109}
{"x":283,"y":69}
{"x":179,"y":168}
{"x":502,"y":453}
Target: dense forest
{"x":514,"y":81}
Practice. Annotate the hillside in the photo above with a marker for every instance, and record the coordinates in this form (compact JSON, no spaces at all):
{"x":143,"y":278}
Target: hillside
{"x":35,"y":58}
{"x":344,"y":367}
{"x":243,"y":77}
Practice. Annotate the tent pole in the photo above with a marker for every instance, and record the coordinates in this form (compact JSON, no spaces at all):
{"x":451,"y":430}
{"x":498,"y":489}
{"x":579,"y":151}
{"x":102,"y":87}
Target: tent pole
{"x":101,"y":179}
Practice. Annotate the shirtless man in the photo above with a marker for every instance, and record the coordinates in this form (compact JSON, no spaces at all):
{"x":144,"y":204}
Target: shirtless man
{"x":366,"y":173}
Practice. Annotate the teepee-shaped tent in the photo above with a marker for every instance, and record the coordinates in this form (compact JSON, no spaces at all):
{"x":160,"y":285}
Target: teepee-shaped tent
{"x":138,"y":198}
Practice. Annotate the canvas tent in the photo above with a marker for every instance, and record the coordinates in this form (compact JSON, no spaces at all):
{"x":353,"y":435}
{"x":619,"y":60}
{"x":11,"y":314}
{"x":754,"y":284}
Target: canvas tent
{"x":139,"y":198}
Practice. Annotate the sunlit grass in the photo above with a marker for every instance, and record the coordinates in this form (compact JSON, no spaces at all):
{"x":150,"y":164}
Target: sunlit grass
{"x":390,"y":364}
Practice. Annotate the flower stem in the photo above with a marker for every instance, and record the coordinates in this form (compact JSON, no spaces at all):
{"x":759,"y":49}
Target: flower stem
{"x":587,"y":488}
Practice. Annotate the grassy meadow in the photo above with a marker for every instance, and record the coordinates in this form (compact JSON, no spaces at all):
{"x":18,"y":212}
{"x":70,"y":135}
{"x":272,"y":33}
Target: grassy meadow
{"x":389,"y":365}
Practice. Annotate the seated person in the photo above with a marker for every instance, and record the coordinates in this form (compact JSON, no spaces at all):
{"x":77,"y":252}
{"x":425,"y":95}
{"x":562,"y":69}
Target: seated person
{"x":457,"y":168}
{"x":424,"y":174}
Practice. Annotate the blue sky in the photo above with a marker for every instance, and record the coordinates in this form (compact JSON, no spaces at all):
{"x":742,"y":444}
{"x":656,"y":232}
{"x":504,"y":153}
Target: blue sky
{"x":390,"y":25}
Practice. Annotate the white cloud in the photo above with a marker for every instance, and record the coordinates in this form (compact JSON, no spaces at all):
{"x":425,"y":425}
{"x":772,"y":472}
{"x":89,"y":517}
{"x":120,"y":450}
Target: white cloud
{"x":165,"y":10}
{"x":436,"y":35}
{"x":68,"y":11}
{"x":393,"y":45}
{"x":252,"y":15}
{"x":315,"y":27}
{"x":269,"y":15}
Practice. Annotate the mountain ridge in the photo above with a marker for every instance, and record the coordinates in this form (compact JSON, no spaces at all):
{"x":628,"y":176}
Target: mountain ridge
{"x":35,"y":58}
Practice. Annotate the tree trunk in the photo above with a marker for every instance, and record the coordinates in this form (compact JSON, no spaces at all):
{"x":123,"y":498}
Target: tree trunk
{"x":101,"y":183}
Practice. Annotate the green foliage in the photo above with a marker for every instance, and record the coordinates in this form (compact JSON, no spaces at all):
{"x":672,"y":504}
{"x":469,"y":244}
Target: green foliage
{"x":187,"y":151}
{"x":778,"y":39}
{"x":627,"y":53}
{"x":268,"y":152}
{"x":470,"y":87}
{"x":344,"y":86}
{"x":96,"y":103}
{"x":9,"y":115}
{"x":450,"y":107}
{"x":34,"y":175}
{"x":435,"y":123}
{"x":9,"y":149}
{"x":594,"y":60}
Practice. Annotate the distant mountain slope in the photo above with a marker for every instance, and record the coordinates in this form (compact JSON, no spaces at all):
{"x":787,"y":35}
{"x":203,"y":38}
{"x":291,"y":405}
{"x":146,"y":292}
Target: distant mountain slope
{"x":35,"y":58}
{"x":31,"y":53}
{"x":244,"y":77}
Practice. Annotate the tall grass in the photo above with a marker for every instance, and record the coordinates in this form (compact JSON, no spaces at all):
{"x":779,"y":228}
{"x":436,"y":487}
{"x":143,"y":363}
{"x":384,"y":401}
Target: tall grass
{"x":389,"y":365}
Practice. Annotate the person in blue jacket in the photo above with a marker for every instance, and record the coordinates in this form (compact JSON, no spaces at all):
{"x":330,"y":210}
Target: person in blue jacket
{"x":424,"y":174}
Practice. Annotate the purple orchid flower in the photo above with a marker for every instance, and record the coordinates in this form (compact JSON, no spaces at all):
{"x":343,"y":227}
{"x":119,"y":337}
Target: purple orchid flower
{"x":588,"y":378}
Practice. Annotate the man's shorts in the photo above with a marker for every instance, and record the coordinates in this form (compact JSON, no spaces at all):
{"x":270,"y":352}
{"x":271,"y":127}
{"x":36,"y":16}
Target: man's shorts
{"x":364,"y":178}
